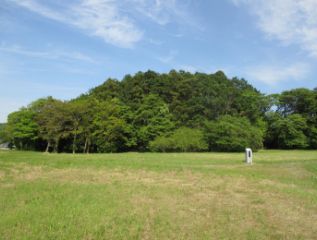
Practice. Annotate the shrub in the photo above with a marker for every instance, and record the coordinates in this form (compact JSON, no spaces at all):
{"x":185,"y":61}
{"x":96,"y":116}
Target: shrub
{"x":232,"y":134}
{"x":182,"y":140}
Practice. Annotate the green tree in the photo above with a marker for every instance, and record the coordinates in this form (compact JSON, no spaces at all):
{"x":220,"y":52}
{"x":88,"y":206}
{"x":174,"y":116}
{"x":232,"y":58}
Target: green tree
{"x":54,"y":122}
{"x":152,"y":119}
{"x":129,"y":114}
{"x":182,"y":140}
{"x":108,"y":90}
{"x":81,"y":113}
{"x":3,"y":133}
{"x":286,"y":132}
{"x":112,"y":131}
{"x":88,"y":127}
{"x":298,"y":101}
{"x":22,"y":128}
{"x":232,"y":134}
{"x":312,"y":136}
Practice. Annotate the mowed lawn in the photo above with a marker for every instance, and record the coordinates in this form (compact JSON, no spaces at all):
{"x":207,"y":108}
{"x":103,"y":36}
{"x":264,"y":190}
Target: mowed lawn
{"x":158,"y":196}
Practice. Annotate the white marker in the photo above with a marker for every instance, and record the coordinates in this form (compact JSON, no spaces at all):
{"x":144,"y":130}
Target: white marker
{"x":248,"y":156}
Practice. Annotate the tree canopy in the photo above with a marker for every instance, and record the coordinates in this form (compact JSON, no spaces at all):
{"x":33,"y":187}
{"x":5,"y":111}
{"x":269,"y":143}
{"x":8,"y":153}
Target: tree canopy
{"x":175,"y":111}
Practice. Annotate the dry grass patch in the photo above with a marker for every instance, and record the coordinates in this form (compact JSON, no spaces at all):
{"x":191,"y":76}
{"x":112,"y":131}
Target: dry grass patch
{"x":229,"y":201}
{"x":2,"y":175}
{"x":227,"y":204}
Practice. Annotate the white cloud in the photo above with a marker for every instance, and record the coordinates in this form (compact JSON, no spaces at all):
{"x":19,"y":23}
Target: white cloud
{"x":289,"y":21}
{"x":112,"y":20}
{"x":164,"y":11}
{"x":159,"y":11}
{"x":104,"y":20}
{"x":169,"y":57}
{"x":273,"y":74}
{"x":100,"y":18}
{"x":52,"y":54}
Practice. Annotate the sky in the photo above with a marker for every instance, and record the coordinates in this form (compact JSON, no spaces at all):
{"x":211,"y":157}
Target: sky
{"x":64,"y":48}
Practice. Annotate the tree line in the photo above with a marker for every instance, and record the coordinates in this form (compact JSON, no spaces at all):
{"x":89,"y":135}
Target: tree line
{"x":170,"y":112}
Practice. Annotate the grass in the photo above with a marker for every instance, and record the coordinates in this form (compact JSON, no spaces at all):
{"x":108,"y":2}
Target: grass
{"x":158,"y":196}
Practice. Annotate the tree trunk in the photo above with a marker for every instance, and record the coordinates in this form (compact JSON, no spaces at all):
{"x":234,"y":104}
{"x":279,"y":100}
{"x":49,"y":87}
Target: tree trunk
{"x":86,"y":144}
{"x":74,"y":142}
{"x":56,"y":145}
{"x":48,"y":146}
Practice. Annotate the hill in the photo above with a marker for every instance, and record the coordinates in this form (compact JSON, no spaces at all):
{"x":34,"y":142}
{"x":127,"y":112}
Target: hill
{"x":176,"y":111}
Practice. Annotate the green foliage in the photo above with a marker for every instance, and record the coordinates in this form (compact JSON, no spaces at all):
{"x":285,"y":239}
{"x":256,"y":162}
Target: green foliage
{"x":286,"y":132}
{"x":182,"y":140}
{"x":302,"y":103}
{"x":112,"y":131}
{"x":3,"y":133}
{"x":151,"y":119}
{"x":312,"y":136}
{"x":86,"y":126}
{"x":79,"y":112}
{"x":106,"y":91}
{"x":146,"y":107}
{"x":232,"y":134}
{"x":298,"y":101}
{"x":54,"y":122}
{"x":22,"y":129}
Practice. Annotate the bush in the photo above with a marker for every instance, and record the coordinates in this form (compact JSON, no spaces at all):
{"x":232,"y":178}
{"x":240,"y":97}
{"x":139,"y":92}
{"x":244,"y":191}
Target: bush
{"x":182,"y":140}
{"x":287,"y":132}
{"x":232,"y":134}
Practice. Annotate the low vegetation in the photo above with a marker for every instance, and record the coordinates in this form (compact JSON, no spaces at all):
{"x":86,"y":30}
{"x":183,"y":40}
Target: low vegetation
{"x":158,"y":196}
{"x":182,"y":140}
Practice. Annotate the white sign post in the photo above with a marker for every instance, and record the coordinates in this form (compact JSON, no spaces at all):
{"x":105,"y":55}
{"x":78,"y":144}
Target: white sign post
{"x":248,"y":156}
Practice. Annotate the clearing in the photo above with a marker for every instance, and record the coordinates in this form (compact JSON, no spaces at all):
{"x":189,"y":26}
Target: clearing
{"x":158,"y":196}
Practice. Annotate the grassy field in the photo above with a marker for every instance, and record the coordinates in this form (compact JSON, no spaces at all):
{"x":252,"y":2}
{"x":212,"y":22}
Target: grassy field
{"x":158,"y":196}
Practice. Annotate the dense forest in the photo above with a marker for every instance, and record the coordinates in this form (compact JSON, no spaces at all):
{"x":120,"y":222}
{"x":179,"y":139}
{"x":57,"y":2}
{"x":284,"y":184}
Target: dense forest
{"x":174,"y":112}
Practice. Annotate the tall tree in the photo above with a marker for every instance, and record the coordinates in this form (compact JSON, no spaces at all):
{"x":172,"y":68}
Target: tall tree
{"x":127,"y":115}
{"x":286,"y":132}
{"x":3,"y":133}
{"x":54,"y":122}
{"x":22,"y":129}
{"x":90,"y":106}
{"x":298,"y":101}
{"x":152,"y":119}
{"x":108,"y":90}
{"x":112,"y":132}
{"x":233,"y":134}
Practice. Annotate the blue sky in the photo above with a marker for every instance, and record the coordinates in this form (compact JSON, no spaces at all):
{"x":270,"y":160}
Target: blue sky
{"x":63,"y":48}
